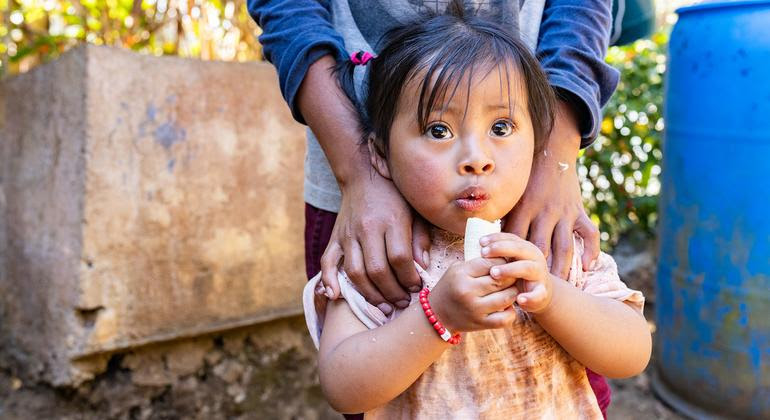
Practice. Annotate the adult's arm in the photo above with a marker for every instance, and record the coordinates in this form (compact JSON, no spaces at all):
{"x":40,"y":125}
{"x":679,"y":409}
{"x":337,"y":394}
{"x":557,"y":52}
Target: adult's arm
{"x":295,"y":34}
{"x":373,"y":229}
{"x":573,"y":40}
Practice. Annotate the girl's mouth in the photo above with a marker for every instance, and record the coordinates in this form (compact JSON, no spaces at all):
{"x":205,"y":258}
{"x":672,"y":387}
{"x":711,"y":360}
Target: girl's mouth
{"x":472,"y":198}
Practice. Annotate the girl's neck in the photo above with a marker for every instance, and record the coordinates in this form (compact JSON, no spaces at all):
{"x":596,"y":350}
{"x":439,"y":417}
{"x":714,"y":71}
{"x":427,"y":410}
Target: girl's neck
{"x":445,"y":238}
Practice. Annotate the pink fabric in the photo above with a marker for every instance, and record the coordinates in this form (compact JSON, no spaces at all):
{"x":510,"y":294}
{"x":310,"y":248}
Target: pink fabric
{"x":516,"y":372}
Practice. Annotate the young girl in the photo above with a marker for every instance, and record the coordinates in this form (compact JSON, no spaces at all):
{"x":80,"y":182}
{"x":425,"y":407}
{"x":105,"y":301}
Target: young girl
{"x":455,"y":109}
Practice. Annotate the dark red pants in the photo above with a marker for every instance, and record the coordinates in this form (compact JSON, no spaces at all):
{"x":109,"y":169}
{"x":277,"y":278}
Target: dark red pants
{"x":318,"y":229}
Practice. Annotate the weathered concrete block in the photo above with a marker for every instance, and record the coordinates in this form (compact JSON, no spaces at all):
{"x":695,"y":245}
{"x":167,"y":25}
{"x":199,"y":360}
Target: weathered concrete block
{"x":146,"y":199}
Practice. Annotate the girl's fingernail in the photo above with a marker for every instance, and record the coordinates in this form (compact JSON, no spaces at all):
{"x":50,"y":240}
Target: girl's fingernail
{"x":494,"y":271}
{"x":485,"y":250}
{"x":385,"y":308}
{"x":426,"y":259}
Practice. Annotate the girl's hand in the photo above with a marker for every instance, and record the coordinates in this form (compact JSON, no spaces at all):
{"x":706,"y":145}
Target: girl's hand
{"x":468,"y":299}
{"x":527,"y":263}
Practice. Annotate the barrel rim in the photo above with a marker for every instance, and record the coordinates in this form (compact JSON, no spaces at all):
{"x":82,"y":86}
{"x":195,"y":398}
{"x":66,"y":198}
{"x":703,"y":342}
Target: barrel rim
{"x":721,"y":5}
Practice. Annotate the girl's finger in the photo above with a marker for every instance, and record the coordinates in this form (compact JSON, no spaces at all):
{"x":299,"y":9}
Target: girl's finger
{"x":479,"y":267}
{"x":329,"y":271}
{"x":590,"y":234}
{"x":520,"y":269}
{"x":533,"y":300}
{"x":355,"y":269}
{"x":512,"y":248}
{"x":501,"y":319}
{"x":499,"y":300}
{"x":562,"y":249}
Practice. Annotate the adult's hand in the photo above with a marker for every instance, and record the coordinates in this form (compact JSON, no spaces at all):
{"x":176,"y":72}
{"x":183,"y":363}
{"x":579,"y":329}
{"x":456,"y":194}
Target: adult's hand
{"x":552,"y":207}
{"x":373,"y":236}
{"x":373,"y":233}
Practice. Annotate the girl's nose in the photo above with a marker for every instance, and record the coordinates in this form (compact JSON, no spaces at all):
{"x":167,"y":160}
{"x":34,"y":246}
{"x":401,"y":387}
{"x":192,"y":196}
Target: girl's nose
{"x":477,"y":165}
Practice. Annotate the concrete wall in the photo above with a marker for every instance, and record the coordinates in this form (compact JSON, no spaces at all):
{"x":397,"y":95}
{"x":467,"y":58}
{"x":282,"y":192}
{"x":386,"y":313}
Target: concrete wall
{"x":146,"y":199}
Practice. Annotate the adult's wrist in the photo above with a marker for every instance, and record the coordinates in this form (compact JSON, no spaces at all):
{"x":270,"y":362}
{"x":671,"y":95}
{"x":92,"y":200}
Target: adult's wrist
{"x":563,"y":144}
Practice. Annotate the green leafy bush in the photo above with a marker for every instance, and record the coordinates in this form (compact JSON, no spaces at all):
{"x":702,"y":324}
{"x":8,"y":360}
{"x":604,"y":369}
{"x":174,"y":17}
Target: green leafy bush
{"x":619,"y":172}
{"x":34,"y":31}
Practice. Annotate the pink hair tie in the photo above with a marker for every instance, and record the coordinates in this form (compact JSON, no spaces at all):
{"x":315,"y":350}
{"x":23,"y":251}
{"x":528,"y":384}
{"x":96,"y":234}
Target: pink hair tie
{"x":360,"y":58}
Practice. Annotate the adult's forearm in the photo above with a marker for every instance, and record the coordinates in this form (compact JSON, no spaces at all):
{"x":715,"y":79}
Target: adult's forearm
{"x":370,"y":368}
{"x":331,"y":116}
{"x":574,"y":36}
{"x":295,"y":33}
{"x":606,"y":335}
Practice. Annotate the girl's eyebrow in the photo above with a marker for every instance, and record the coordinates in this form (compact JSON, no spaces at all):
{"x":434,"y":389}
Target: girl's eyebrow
{"x":495,"y":107}
{"x":451,"y":109}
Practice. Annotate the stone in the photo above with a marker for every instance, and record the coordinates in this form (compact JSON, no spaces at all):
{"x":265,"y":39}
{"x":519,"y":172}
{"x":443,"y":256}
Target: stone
{"x":233,"y":343}
{"x":148,"y":369}
{"x":187,"y":357}
{"x":213,"y":357}
{"x":229,"y":371}
{"x":144,"y":199}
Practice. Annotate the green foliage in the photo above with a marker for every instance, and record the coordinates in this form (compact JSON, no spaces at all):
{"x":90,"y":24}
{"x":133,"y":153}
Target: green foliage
{"x":34,"y":31}
{"x":619,"y":172}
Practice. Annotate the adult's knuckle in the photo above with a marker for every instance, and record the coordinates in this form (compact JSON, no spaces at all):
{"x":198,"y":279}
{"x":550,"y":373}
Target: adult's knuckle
{"x":376,"y":271}
{"x":563,"y":247}
{"x":400,"y":258}
{"x":591,"y":230}
{"x":355,"y":272}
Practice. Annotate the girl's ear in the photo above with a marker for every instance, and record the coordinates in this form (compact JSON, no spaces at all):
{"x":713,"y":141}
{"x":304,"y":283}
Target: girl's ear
{"x":378,"y":161}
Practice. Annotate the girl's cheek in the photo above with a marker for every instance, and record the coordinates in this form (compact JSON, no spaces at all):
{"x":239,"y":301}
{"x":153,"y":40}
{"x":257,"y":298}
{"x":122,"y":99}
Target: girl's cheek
{"x":421,"y":176}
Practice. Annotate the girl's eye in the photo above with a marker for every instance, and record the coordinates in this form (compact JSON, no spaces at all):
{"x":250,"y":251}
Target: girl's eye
{"x":502,"y":128}
{"x":439,"y":132}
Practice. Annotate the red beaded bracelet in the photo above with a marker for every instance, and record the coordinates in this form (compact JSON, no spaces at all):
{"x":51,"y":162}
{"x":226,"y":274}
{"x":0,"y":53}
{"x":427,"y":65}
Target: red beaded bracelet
{"x":443,"y":332}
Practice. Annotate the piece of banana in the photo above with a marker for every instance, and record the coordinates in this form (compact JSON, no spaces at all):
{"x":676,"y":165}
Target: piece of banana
{"x":475,"y":229}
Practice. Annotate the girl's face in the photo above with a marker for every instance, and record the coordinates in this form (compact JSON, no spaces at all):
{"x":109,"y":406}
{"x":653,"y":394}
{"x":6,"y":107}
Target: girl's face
{"x":475,"y":157}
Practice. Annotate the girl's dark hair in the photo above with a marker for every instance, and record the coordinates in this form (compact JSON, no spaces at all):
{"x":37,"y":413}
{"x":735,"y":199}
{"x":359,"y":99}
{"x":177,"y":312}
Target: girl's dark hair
{"x":445,"y":47}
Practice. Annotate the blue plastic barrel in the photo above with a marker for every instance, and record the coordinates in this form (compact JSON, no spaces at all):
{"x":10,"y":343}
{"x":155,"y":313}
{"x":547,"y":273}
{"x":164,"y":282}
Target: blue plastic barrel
{"x":713,"y":284}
